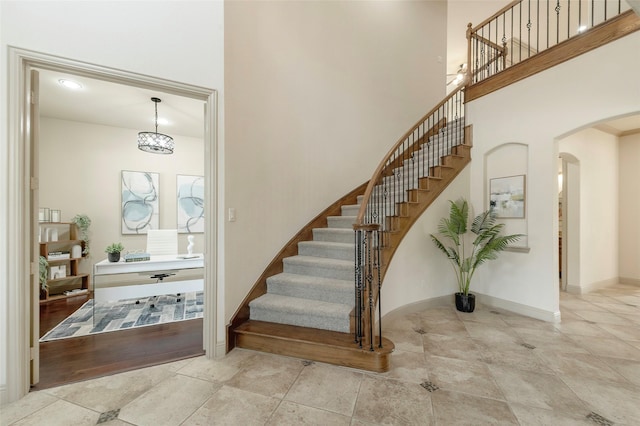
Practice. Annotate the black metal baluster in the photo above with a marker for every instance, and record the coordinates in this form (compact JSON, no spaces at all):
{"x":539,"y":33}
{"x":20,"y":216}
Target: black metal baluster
{"x":529,"y":29}
{"x":558,"y":8}
{"x":358,"y":287}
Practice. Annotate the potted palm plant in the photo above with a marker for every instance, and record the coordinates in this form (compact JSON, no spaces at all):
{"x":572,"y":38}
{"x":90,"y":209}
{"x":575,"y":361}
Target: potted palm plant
{"x":467,"y":255}
{"x":113,"y":251}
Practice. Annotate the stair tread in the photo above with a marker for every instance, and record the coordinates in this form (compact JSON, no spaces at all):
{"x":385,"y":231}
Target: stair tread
{"x":322,"y":261}
{"x":296,"y":305}
{"x":309,"y":279}
{"x":327,"y":244}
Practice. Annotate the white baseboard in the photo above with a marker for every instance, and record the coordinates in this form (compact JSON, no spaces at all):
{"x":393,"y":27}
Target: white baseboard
{"x":221,"y":349}
{"x":588,"y":288}
{"x":518,"y":308}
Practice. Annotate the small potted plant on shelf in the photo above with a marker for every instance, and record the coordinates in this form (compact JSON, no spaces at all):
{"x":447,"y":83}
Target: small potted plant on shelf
{"x":486,"y":244}
{"x":83,"y":223}
{"x":113,"y":251}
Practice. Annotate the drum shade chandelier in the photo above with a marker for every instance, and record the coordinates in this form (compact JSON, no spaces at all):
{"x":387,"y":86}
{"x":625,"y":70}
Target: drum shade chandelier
{"x":154,"y":142}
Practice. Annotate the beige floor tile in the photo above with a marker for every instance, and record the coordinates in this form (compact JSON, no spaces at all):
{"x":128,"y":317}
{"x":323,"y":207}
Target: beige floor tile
{"x":405,"y":340}
{"x":453,"y":408}
{"x":483,"y":315}
{"x":618,"y":308}
{"x":327,"y":388}
{"x":60,"y":413}
{"x":630,"y":370}
{"x":392,"y":402}
{"x":31,"y":403}
{"x":112,"y":392}
{"x":220,"y":370}
{"x":580,"y":365}
{"x":624,"y":332}
{"x":619,"y":403}
{"x":544,"y":340}
{"x":614,"y":348}
{"x":532,"y":416}
{"x":602,"y":317}
{"x":408,"y":367}
{"x":521,"y":358}
{"x":452,"y":347}
{"x":580,"y":327}
{"x":463,"y":376}
{"x":535,"y":389}
{"x":576,"y":305}
{"x":292,"y":414}
{"x":231,"y":406}
{"x":267,"y":374}
{"x":168,"y":403}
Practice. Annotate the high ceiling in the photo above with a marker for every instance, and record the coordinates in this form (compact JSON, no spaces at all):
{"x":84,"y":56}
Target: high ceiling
{"x":111,"y":104}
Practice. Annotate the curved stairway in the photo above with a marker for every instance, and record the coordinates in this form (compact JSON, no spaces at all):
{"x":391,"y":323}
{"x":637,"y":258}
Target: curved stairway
{"x":303,"y":306}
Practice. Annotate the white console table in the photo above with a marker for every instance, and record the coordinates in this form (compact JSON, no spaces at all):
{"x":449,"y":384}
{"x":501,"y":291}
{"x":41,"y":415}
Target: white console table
{"x":181,"y":270}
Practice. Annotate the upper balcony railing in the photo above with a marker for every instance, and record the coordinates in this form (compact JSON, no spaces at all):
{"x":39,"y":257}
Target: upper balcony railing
{"x":525,"y":28}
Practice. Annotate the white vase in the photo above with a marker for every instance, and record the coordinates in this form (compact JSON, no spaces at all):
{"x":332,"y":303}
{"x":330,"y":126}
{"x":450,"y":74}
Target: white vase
{"x":76,"y":251}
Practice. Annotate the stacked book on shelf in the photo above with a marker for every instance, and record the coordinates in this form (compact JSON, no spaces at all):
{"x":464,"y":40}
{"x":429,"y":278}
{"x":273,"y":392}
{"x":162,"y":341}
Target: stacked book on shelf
{"x":76,"y":292}
{"x":57,"y":255}
{"x":136,"y":257}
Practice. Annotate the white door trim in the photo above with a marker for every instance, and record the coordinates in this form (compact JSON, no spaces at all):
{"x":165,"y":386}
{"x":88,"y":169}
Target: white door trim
{"x":18,"y":238}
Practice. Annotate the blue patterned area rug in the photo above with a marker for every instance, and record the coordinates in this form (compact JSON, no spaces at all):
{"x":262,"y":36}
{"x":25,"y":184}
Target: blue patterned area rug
{"x":125,"y":314}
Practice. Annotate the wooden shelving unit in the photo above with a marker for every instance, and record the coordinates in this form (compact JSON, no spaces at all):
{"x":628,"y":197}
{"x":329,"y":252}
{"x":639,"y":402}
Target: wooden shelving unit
{"x":67,"y":237}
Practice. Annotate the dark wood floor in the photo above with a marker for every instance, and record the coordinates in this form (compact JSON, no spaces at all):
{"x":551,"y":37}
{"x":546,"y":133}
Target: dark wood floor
{"x":81,"y":358}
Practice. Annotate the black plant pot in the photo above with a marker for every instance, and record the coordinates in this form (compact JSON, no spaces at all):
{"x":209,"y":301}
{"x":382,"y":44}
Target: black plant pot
{"x":465,"y":303}
{"x":114,"y":257}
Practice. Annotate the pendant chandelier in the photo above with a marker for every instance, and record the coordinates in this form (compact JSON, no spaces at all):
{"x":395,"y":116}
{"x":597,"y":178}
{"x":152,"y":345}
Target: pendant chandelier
{"x":155,"y":142}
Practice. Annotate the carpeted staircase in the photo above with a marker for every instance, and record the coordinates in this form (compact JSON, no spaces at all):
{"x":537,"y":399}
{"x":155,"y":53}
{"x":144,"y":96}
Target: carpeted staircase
{"x":316,"y":287}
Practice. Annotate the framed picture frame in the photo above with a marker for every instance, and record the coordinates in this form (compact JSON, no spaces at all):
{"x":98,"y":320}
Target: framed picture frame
{"x":507,"y":196}
{"x":140,"y":206}
{"x":190,"y":204}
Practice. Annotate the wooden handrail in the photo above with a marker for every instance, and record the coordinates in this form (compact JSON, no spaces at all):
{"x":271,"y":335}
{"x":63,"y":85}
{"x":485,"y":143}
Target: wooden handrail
{"x":495,"y":15}
{"x":381,"y":166}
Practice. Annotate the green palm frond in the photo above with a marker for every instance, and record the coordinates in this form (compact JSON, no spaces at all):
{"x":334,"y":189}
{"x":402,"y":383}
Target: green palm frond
{"x":485,"y":246}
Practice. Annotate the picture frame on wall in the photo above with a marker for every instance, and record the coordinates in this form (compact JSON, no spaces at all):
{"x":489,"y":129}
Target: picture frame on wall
{"x":140,"y":206}
{"x":190,"y":204}
{"x":507,"y":197}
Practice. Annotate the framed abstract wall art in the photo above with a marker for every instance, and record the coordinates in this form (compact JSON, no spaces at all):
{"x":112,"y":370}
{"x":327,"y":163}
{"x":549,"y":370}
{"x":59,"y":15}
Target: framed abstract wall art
{"x":140,"y":208}
{"x":507,"y":196}
{"x":190,"y":203}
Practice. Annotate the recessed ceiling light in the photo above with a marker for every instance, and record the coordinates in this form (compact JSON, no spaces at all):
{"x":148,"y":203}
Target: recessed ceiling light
{"x":163,"y":121}
{"x":70,"y":84}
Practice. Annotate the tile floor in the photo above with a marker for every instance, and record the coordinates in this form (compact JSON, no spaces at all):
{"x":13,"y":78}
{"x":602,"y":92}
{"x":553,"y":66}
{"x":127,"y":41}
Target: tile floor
{"x":488,"y":367}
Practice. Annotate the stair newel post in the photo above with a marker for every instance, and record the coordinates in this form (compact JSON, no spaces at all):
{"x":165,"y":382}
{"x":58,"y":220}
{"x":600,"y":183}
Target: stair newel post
{"x":379,"y":282}
{"x":358,"y":286}
{"x":367,"y":259}
{"x":369,"y":270}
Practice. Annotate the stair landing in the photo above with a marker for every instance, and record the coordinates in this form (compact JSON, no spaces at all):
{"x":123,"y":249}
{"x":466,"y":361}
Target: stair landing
{"x":313,"y":344}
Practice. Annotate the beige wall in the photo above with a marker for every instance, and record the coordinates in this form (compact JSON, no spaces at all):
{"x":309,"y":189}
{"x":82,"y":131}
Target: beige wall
{"x":538,"y":112}
{"x":599,"y":208}
{"x":316,"y":93}
{"x":629,"y":249}
{"x":80,"y":170}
